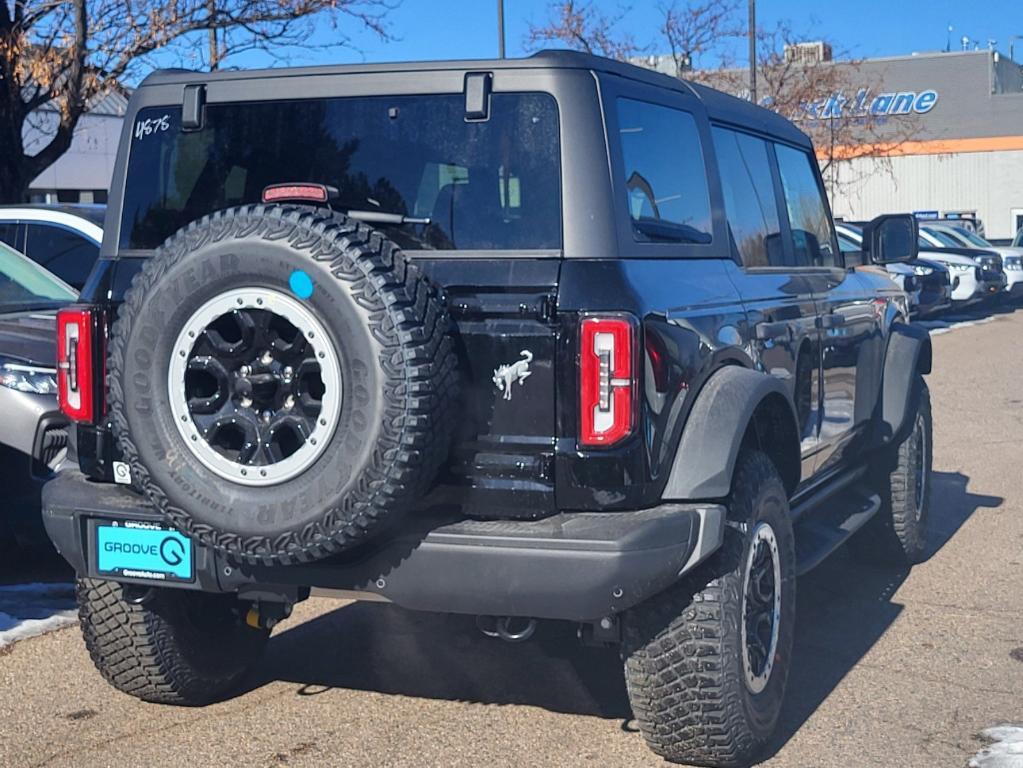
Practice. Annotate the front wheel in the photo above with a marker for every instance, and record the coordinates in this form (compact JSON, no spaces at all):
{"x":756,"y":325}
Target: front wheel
{"x":706,"y":662}
{"x":177,"y":647}
{"x":902,"y":477}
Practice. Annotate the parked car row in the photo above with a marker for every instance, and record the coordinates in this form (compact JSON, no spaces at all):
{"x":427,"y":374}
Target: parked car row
{"x":46,"y":255}
{"x":955,"y":268}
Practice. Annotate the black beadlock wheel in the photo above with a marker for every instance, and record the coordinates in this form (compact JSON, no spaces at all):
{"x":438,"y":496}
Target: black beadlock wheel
{"x":176,"y":647}
{"x":897,"y":535}
{"x":281,"y":382}
{"x":706,"y":661}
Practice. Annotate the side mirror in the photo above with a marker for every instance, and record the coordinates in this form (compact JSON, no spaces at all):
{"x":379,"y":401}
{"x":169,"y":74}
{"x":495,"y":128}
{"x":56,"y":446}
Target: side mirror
{"x":891,"y":238}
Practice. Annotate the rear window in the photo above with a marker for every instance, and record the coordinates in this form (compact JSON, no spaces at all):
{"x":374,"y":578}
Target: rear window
{"x":490,"y":185}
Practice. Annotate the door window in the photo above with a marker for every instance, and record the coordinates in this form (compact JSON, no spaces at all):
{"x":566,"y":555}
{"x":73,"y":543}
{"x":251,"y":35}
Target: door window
{"x":9,"y":234}
{"x":66,"y":254}
{"x":812,"y":235}
{"x":750,"y":203}
{"x":664,"y":174}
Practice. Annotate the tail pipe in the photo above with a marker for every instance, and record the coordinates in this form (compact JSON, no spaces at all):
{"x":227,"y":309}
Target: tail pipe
{"x":508,"y":628}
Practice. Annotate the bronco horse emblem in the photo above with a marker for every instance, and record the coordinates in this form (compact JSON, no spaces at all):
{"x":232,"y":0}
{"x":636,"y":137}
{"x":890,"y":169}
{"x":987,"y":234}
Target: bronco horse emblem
{"x":518,"y":371}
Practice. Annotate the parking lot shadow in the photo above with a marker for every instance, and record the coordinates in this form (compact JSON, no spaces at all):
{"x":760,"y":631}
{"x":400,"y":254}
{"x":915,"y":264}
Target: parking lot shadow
{"x":386,"y":649}
{"x":844,"y":608}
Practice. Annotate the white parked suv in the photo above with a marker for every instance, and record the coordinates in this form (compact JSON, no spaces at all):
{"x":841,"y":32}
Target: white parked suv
{"x":1012,"y":255}
{"x":63,"y":239}
{"x":964,"y":272}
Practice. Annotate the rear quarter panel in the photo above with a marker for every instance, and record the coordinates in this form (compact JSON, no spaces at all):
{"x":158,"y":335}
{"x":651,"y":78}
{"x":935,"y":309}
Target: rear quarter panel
{"x":692,"y":322}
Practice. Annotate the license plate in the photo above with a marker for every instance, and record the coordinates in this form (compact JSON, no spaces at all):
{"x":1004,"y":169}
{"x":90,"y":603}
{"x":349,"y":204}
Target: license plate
{"x":141,"y":550}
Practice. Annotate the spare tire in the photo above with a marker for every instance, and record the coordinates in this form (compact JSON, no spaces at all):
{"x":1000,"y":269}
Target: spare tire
{"x":280,"y":381}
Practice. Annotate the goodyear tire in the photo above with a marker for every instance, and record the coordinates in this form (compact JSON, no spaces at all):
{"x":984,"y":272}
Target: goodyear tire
{"x":280,"y":381}
{"x":706,"y":661}
{"x":176,"y":647}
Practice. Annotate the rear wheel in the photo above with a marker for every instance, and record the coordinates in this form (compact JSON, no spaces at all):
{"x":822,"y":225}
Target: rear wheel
{"x":706,"y":662}
{"x":177,"y":647}
{"x":898,"y":533}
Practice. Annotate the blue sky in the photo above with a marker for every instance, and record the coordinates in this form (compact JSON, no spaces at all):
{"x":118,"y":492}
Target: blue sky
{"x":427,"y":29}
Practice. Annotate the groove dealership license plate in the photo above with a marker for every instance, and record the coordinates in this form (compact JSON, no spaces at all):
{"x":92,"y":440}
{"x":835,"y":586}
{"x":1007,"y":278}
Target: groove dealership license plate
{"x":141,"y":550}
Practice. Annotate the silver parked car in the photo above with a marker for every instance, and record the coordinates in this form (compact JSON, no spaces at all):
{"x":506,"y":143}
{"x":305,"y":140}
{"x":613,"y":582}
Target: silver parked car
{"x":33,"y":433}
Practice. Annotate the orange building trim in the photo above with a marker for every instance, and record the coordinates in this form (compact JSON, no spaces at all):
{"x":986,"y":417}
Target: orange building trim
{"x":931,"y":147}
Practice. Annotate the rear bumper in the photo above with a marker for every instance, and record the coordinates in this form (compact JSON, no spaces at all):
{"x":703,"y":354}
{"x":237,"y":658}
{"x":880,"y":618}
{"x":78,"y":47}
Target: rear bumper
{"x":578,"y":566}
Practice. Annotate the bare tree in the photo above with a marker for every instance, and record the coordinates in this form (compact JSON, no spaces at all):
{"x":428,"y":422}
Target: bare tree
{"x":695,"y":29}
{"x":829,"y":99}
{"x":688,"y":30}
{"x":819,"y":94}
{"x":58,"y":57}
{"x":582,"y":27}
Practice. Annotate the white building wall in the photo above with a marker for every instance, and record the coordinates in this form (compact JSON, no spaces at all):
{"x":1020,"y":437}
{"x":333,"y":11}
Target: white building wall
{"x":89,"y":162}
{"x":991,"y":183}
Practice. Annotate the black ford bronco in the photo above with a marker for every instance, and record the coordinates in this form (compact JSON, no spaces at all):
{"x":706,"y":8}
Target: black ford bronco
{"x":552,"y":338}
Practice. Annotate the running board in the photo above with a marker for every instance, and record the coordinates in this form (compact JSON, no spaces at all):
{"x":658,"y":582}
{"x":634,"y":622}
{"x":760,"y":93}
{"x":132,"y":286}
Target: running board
{"x":823,"y":530}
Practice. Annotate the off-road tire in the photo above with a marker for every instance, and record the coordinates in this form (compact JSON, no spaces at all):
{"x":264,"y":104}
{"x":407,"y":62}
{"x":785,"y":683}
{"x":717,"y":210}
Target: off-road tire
{"x":897,"y":535}
{"x":391,"y":329}
{"x":683,"y":650}
{"x":177,"y":647}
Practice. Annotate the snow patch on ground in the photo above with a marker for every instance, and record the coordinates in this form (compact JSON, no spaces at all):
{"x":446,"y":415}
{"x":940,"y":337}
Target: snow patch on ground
{"x":938,"y":327}
{"x":1005,"y":750}
{"x":27,"y":610}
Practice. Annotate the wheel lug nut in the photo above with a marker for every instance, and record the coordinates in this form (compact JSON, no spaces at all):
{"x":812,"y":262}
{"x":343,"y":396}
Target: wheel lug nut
{"x":244,"y":370}
{"x":289,"y":402}
{"x":288,"y":372}
{"x":245,"y":402}
{"x":266,"y":358}
{"x":267,"y":416}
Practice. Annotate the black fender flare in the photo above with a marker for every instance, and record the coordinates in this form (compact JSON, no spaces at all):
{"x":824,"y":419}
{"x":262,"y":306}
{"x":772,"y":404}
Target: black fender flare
{"x":908,"y":354}
{"x":713,"y":434}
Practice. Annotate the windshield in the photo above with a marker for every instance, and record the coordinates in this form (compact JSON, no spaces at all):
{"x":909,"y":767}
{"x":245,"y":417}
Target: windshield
{"x":846,"y":245}
{"x":972,"y":238}
{"x":471,"y":185}
{"x":25,"y":286}
{"x":1018,"y":242}
{"x":851,"y":233}
{"x":943,"y":238}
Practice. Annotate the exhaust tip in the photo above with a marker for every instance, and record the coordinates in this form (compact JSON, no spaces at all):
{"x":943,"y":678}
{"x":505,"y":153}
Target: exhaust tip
{"x":511,"y":629}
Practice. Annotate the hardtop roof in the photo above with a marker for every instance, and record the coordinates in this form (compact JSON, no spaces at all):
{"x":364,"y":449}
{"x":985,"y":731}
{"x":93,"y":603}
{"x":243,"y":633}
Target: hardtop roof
{"x":720,"y":106}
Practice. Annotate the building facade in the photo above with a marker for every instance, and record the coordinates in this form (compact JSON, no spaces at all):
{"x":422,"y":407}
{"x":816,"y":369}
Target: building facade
{"x":82,"y":174}
{"x":955,"y":144}
{"x":965,"y":152}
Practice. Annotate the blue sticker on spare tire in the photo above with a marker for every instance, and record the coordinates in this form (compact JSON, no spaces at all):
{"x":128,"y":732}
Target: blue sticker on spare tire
{"x":301,"y":284}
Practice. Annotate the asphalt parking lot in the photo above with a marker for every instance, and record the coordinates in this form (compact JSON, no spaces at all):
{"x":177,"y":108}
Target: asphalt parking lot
{"x":891,"y":668}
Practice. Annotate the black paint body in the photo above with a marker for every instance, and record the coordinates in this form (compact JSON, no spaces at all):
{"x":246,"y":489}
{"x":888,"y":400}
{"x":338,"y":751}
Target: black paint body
{"x":821,"y":331}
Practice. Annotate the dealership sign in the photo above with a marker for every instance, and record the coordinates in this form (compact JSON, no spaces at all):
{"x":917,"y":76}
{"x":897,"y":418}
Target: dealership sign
{"x":838,"y":105}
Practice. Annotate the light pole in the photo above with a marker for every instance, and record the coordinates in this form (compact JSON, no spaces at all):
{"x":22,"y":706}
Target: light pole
{"x":1012,"y":46}
{"x":753,"y":51}
{"x":500,"y":29}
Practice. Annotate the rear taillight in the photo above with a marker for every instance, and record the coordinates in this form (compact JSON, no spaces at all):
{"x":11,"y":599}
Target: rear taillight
{"x":75,"y":369}
{"x":607,"y":379}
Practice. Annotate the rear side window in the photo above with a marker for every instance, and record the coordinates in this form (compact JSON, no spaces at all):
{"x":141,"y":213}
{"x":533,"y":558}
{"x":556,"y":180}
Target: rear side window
{"x":750,"y":203}
{"x":66,"y":254}
{"x":812,"y":236}
{"x":9,"y":234}
{"x":665,"y":175}
{"x":488,"y":185}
